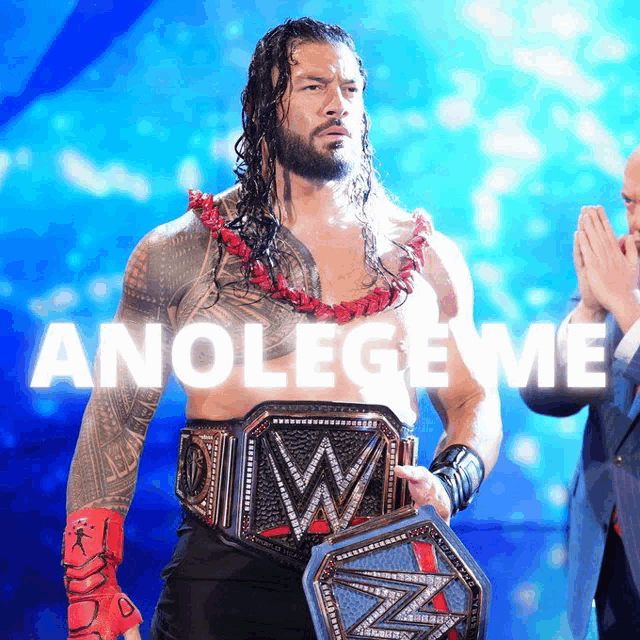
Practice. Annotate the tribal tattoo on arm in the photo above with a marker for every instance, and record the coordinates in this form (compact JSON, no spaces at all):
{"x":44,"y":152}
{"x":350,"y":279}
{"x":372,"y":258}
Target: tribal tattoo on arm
{"x":177,"y":275}
{"x":105,"y":464}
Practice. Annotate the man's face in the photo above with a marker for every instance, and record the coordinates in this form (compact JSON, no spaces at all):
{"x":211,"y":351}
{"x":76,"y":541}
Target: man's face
{"x":631,"y":195}
{"x":320,"y":138}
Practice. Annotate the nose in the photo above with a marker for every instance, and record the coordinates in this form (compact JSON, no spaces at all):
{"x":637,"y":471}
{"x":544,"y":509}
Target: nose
{"x":337,"y":104}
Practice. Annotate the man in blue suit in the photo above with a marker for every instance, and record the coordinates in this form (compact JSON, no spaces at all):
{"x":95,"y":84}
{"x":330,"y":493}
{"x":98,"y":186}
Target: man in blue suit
{"x":604,"y":526}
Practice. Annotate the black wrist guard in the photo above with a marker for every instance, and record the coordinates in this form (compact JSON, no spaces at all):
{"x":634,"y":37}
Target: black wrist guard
{"x":461,"y":472}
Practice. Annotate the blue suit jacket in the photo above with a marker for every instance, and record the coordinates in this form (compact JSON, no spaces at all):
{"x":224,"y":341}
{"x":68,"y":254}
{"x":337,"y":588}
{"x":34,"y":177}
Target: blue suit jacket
{"x":608,"y":472}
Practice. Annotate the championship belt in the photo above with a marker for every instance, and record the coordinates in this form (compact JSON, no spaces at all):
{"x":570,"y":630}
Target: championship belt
{"x":404,"y":576}
{"x":288,"y":474}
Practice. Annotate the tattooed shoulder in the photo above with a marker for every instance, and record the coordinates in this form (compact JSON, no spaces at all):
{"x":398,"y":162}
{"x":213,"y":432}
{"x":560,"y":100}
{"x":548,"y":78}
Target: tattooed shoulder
{"x":219,"y":292}
{"x":161,"y":267}
{"x":104,"y":467}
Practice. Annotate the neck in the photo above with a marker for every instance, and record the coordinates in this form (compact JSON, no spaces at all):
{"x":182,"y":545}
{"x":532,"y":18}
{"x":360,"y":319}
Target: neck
{"x":303,"y":203}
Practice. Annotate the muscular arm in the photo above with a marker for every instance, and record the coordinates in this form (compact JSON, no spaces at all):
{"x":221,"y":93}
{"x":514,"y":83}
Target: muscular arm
{"x":470,"y":410}
{"x":105,"y":464}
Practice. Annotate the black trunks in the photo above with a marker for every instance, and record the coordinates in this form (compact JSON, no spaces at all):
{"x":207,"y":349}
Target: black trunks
{"x":214,"y":591}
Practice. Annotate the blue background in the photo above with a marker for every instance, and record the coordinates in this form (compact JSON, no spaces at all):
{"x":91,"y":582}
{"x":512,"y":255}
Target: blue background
{"x":500,"y":118}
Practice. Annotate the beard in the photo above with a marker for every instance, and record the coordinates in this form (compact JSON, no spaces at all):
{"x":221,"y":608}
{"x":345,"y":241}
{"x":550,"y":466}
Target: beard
{"x":300,"y":157}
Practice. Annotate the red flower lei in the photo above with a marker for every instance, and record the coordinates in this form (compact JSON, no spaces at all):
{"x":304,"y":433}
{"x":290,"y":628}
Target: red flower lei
{"x":378,"y":300}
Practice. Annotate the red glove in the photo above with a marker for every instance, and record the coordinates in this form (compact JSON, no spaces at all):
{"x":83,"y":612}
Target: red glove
{"x":91,"y":551}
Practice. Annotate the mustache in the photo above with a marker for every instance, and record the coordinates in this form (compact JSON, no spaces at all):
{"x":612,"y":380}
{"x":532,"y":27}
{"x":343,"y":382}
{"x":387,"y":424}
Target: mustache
{"x":336,"y":122}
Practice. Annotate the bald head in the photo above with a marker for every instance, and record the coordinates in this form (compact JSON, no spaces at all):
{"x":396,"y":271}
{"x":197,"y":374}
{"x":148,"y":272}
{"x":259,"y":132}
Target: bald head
{"x":631,"y":193}
{"x":633,"y":163}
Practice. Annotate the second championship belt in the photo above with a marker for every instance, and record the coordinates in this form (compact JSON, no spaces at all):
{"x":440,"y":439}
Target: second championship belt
{"x":402,"y":576}
{"x":289,"y":474}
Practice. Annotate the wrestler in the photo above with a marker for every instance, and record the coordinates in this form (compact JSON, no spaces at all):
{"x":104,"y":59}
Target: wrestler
{"x":307,"y":215}
{"x":604,"y":563}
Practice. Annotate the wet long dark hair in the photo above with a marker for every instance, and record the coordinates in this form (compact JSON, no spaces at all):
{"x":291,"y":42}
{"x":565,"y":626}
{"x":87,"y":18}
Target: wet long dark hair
{"x":256,"y":220}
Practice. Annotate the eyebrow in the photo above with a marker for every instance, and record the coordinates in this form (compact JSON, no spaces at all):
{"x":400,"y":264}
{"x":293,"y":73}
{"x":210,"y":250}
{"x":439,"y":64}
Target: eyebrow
{"x":307,"y":78}
{"x":313,"y":78}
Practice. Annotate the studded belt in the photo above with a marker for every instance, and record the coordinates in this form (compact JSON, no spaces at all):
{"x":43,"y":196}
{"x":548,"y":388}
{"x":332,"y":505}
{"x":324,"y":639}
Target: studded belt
{"x":288,"y":474}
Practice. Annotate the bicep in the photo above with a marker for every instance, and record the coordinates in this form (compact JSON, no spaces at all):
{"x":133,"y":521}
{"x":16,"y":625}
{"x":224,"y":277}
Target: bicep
{"x":463,"y":370}
{"x":463,"y":344}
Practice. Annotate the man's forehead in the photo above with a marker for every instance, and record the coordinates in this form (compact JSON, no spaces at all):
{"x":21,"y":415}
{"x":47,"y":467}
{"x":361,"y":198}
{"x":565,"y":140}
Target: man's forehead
{"x":631,"y":180}
{"x":633,"y":163}
{"x":317,"y":59}
{"x":631,"y":187}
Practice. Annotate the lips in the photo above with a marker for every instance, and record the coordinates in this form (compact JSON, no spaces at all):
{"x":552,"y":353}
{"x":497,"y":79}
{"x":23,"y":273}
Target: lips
{"x":336,"y":131}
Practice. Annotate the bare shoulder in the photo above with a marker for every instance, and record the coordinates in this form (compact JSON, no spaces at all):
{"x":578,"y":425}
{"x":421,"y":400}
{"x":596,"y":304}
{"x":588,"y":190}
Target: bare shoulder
{"x":445,"y":268}
{"x":447,"y":251}
{"x":189,"y":225}
{"x":401,"y":223}
{"x":172,"y":255}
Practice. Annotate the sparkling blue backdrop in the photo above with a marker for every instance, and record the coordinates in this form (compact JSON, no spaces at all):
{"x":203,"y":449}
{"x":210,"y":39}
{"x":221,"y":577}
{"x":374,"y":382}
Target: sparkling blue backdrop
{"x":500,"y":118}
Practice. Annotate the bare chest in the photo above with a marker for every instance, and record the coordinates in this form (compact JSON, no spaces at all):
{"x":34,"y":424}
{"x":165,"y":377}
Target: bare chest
{"x":303,"y":358}
{"x":333,"y":271}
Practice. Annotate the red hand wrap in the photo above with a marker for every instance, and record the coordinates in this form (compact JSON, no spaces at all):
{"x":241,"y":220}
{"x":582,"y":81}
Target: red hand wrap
{"x":91,"y":551}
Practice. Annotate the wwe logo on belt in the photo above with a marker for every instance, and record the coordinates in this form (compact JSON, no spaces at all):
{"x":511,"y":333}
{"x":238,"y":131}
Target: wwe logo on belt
{"x":408,"y":605}
{"x":351,"y":483}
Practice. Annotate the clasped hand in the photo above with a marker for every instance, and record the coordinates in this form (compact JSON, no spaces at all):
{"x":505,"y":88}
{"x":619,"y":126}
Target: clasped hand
{"x":607,"y":268}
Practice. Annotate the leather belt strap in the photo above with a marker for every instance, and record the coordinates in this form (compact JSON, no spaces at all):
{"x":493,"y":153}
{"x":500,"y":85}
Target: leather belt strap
{"x":290,"y":473}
